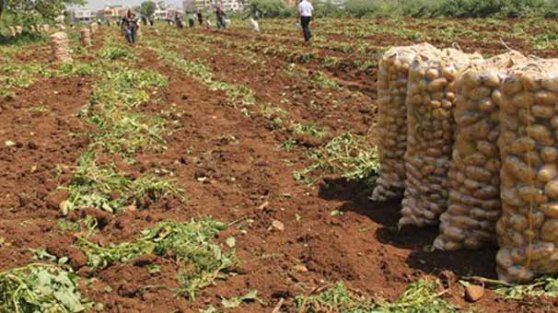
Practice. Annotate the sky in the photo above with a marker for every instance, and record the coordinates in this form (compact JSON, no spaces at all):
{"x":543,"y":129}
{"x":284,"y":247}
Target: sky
{"x":99,"y":4}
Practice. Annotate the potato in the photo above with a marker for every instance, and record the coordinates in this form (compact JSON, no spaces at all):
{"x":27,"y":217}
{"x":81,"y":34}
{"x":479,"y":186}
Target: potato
{"x":541,"y":134}
{"x":550,"y":209}
{"x":549,"y":230}
{"x":549,"y":154}
{"x":551,"y":189}
{"x":542,"y":111}
{"x":547,"y":173}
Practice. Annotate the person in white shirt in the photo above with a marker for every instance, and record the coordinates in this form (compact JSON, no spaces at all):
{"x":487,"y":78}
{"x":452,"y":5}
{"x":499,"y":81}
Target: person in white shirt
{"x":305,"y":10}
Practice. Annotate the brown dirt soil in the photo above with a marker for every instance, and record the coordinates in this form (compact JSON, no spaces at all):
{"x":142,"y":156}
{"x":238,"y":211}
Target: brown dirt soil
{"x":249,"y":181}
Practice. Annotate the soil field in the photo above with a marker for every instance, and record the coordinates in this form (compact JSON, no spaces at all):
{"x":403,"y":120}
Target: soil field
{"x":233,"y":120}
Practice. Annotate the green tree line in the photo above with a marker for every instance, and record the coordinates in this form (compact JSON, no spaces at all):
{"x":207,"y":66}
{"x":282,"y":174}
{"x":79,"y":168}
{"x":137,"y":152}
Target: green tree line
{"x":420,"y":8}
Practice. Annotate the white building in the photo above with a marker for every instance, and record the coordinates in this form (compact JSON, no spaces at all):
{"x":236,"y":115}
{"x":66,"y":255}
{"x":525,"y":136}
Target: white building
{"x":82,"y":15}
{"x":228,"y":5}
{"x":232,"y":5}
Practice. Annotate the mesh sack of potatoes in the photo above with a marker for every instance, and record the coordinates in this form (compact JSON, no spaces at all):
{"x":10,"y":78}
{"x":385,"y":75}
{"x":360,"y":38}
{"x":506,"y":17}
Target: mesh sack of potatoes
{"x":94,"y":28}
{"x":45,"y":28}
{"x":13,"y":31}
{"x":60,"y":47}
{"x":85,"y":36}
{"x":19,"y":29}
{"x":392,"y":93}
{"x":528,"y":229}
{"x":430,"y":102}
{"x":473,"y":204}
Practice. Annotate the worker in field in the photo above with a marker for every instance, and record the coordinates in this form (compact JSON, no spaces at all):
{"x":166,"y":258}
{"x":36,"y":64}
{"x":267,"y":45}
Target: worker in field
{"x":178,"y":21}
{"x":220,"y":15}
{"x":254,"y":13}
{"x":130,"y":27}
{"x":200,"y":18}
{"x":305,"y":10}
{"x":191,"y":20}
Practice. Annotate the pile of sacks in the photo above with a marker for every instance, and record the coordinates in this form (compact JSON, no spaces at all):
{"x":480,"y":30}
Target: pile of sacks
{"x":60,"y":47}
{"x":473,"y":144}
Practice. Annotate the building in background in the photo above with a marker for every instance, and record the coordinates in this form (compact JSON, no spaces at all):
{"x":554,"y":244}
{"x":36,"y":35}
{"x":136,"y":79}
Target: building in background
{"x":82,"y":15}
{"x":228,"y":5}
{"x":189,"y":5}
{"x":112,"y":12}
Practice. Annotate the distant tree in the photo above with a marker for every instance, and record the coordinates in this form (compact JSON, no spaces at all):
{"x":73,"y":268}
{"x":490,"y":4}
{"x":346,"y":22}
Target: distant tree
{"x":271,"y":8}
{"x":45,"y":8}
{"x":147,"y":8}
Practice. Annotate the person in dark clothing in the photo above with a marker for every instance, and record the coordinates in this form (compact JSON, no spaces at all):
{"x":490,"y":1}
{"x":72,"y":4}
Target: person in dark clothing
{"x":220,"y":14}
{"x":151,"y":20}
{"x":130,"y":26}
{"x":191,"y":20}
{"x":200,"y":18}
{"x":144,"y":20}
{"x":178,"y":21}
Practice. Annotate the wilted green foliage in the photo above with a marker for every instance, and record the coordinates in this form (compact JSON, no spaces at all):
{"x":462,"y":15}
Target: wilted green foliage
{"x":420,"y":297}
{"x":191,"y":245}
{"x":95,"y":185}
{"x":348,"y":155}
{"x":40,"y":288}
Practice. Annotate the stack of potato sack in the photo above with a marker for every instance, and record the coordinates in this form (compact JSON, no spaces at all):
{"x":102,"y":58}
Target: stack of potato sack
{"x":474,"y":177}
{"x":85,"y":34}
{"x":392,"y":94}
{"x":528,"y":229}
{"x":60,"y":47}
{"x":431,"y":97}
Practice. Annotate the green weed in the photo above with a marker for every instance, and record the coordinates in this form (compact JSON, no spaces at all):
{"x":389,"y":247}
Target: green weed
{"x":349,"y":155}
{"x":105,"y":188}
{"x":308,"y":130}
{"x":40,"y":288}
{"x":125,"y":132}
{"x":117,"y":52}
{"x":323,"y":81}
{"x":191,"y":245}
{"x":420,"y":297}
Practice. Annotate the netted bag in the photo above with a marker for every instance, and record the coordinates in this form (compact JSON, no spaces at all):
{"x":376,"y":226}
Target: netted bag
{"x":392,"y":111}
{"x":13,"y":31}
{"x":45,"y":28}
{"x":474,"y":177}
{"x":94,"y":27}
{"x":19,"y":29}
{"x":528,"y":229}
{"x":430,"y":102}
{"x":85,"y":34}
{"x":60,"y":47}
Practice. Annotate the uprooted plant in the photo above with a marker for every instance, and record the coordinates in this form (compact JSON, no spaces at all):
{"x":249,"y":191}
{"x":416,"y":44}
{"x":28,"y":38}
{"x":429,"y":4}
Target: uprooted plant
{"x":351,"y":156}
{"x":420,"y":297}
{"x":191,"y":245}
{"x":40,"y":288}
{"x":104,"y":187}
